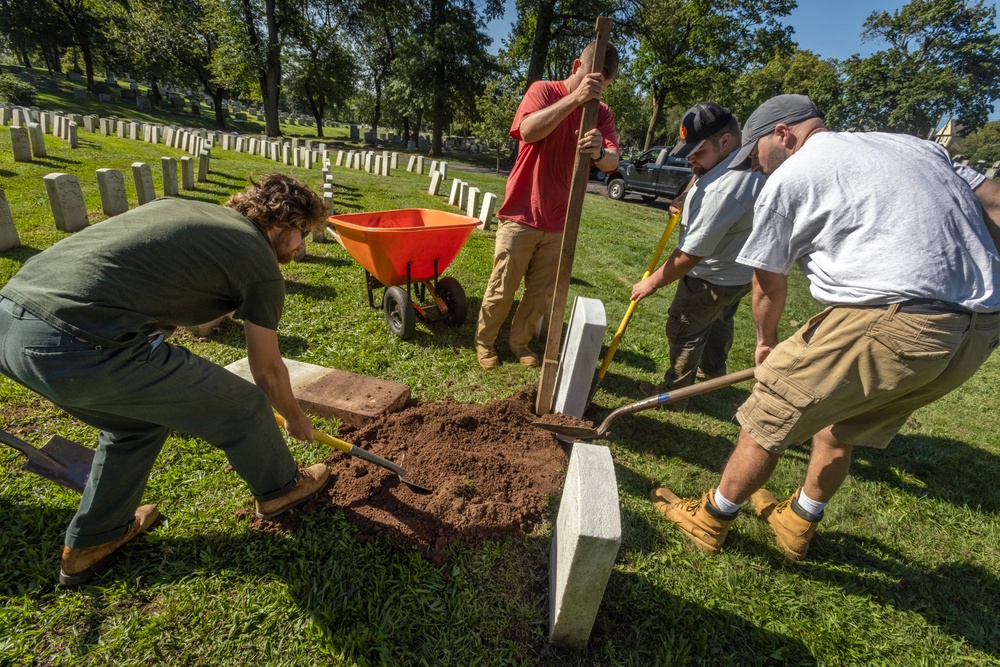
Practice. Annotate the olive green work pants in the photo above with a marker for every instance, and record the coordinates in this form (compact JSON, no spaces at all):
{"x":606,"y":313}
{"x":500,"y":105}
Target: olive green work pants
{"x":136,"y":395}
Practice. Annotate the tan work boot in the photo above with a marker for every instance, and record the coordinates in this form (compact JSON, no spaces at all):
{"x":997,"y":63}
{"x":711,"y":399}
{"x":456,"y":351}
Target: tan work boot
{"x":487,"y":357}
{"x":311,"y":480}
{"x":700,"y":520}
{"x":525,"y":356}
{"x":80,"y":564}
{"x":793,"y":526}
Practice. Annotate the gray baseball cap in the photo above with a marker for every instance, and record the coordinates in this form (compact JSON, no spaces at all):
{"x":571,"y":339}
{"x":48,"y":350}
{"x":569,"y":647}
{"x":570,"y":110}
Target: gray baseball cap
{"x":788,"y":109}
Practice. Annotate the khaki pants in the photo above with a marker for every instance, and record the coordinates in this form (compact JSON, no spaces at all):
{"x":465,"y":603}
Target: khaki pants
{"x":700,"y":329}
{"x":521,"y":252}
{"x":863,"y":371}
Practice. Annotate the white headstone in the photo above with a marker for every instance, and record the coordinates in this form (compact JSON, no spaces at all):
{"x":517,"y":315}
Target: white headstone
{"x":20,"y":143}
{"x":203,"y":163}
{"x":73,"y":140}
{"x":420,"y":164}
{"x":395,"y":160}
{"x":8,"y":231}
{"x":187,"y":172}
{"x":37,"y":140}
{"x":66,"y":201}
{"x":4,"y":116}
{"x":340,"y":158}
{"x":486,"y":211}
{"x":143,"y":176}
{"x":411,"y":165}
{"x":456,"y":187}
{"x":579,"y":357}
{"x":169,"y":167}
{"x":436,"y":179}
{"x":443,"y":166}
{"x":463,"y":194}
{"x":111,"y":185}
{"x":472,"y":202}
{"x":585,"y":542}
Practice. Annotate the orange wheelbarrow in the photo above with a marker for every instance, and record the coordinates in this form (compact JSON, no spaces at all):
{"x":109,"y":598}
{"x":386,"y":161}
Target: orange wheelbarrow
{"x":409,"y":247}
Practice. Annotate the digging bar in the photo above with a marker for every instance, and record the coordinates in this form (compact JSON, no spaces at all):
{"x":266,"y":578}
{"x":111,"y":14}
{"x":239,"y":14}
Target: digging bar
{"x":354,"y":450}
{"x":60,"y":460}
{"x":584,"y":433}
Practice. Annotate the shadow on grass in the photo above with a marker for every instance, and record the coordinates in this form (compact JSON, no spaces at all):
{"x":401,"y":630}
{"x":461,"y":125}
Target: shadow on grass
{"x":957,"y":596}
{"x":21,"y":253}
{"x":311,"y":291}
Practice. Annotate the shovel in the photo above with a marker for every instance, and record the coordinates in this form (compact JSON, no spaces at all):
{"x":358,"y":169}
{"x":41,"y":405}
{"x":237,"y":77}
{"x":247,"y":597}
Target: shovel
{"x":631,"y":308}
{"x":64,"y":462}
{"x":354,"y":450}
{"x":584,"y":433}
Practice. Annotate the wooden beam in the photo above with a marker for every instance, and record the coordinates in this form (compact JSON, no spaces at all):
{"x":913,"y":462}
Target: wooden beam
{"x":578,"y":189}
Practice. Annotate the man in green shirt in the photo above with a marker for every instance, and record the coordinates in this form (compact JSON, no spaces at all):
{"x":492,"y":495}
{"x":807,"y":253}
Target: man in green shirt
{"x":83,"y":324}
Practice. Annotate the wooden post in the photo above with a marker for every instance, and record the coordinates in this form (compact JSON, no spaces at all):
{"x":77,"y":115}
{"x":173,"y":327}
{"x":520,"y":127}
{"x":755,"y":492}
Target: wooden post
{"x":578,"y":189}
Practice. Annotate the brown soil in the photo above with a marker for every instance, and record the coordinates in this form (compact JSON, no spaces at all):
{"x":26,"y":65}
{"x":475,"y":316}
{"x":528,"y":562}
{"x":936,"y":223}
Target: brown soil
{"x":490,"y":472}
{"x":559,"y":419}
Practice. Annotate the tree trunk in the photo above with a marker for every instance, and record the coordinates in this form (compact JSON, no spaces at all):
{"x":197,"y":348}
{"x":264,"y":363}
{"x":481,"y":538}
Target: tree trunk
{"x":416,"y":127}
{"x":25,"y":61}
{"x":155,"y":93}
{"x":220,"y":111}
{"x":542,"y":37}
{"x":438,"y":125}
{"x":88,"y":62}
{"x":271,"y":87}
{"x":406,"y":128}
{"x":318,"y":115}
{"x":657,"y":110}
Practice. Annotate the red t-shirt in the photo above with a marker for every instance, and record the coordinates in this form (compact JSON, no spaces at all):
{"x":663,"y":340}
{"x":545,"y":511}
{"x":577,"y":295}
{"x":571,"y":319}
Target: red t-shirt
{"x":538,"y":186}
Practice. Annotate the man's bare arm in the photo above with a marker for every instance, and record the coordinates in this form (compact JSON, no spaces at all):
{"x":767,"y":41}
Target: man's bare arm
{"x":271,"y":375}
{"x":988,"y":194}
{"x":540,"y":124}
{"x":769,"y":293}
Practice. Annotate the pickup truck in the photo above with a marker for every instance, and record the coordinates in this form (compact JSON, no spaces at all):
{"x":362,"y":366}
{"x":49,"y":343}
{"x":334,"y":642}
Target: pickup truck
{"x":653,"y":174}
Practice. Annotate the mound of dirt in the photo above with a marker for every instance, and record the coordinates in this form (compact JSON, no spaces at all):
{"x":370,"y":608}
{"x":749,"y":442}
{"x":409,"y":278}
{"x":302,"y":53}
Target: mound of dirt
{"x":490,"y":472}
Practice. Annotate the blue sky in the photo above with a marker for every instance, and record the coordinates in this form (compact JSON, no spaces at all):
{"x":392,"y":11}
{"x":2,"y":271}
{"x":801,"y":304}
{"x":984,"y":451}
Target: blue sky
{"x":829,"y":28}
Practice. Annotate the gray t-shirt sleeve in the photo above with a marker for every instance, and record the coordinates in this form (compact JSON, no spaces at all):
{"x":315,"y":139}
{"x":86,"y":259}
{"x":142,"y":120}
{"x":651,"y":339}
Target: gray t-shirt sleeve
{"x":713,"y":220}
{"x":771,"y":245}
{"x":968,"y":174}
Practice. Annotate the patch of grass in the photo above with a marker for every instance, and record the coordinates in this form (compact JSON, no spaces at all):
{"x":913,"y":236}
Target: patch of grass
{"x":904,"y":569}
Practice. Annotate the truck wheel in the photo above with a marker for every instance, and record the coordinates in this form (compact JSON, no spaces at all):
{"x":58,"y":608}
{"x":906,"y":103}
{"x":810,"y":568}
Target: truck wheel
{"x":398,"y":311}
{"x":616,"y":188}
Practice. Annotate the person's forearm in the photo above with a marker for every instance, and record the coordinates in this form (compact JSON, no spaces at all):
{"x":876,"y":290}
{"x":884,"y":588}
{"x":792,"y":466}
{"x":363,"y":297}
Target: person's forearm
{"x":609,"y":162}
{"x":273,"y":379}
{"x":988,"y":194}
{"x":769,"y":293}
{"x":676,"y":267}
{"x":540,"y":124}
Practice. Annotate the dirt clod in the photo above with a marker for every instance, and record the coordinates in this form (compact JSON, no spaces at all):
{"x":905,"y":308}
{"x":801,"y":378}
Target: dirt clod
{"x":489,"y":470}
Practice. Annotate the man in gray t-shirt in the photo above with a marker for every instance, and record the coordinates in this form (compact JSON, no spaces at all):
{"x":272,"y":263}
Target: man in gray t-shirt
{"x":901,"y":245}
{"x":715,"y":222}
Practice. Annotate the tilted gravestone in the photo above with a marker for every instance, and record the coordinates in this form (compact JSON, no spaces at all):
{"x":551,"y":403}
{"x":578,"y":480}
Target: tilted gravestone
{"x":436,"y":179}
{"x":143,"y":175}
{"x":187,"y":172}
{"x":486,"y":212}
{"x":411,"y":165}
{"x":443,"y":168}
{"x":203,"y":161}
{"x":72,"y":134}
{"x":111,"y":185}
{"x":20,"y":143}
{"x":463,"y":194}
{"x":472,"y":202}
{"x":8,"y":232}
{"x":456,"y":187}
{"x":395,"y":160}
{"x":37,"y":140}
{"x":420,"y":164}
{"x":169,"y":167}
{"x":66,"y":201}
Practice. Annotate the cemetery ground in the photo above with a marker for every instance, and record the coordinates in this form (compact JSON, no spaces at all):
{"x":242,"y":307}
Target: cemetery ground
{"x":905,"y":568}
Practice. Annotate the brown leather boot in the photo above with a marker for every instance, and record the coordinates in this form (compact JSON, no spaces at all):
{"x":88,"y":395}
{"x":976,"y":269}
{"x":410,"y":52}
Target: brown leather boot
{"x":700,"y":520}
{"x":311,"y":480}
{"x":793,"y":526}
{"x":80,"y":564}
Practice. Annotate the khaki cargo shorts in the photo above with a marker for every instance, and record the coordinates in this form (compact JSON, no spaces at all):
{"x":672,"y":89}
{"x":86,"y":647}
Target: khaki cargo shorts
{"x":863,"y":371}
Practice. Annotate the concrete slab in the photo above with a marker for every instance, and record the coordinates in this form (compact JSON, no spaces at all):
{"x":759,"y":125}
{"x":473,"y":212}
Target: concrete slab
{"x":585,"y":544}
{"x":326,"y":392}
{"x":355,"y":399}
{"x":581,"y":352}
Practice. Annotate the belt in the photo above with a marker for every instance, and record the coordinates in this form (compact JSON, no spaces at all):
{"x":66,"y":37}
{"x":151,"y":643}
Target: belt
{"x":923,"y":307}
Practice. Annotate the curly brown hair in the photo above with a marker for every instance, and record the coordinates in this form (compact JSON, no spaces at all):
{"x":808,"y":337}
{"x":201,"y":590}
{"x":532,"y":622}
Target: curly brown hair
{"x":277,"y":200}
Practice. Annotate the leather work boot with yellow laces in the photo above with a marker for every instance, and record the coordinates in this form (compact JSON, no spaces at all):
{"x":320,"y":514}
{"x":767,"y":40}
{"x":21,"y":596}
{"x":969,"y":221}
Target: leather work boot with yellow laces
{"x":792,"y":525}
{"x":700,"y":520}
{"x":79,"y":564}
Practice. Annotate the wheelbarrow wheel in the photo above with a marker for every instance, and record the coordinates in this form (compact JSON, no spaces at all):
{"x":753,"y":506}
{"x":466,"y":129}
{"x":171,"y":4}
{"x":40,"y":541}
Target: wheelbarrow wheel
{"x":398,"y":311}
{"x":451,"y":292}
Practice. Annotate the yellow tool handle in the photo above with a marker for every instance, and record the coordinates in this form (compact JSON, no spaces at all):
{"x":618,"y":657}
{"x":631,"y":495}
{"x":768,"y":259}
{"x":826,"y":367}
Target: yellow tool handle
{"x":324,"y":438}
{"x":632,"y":305}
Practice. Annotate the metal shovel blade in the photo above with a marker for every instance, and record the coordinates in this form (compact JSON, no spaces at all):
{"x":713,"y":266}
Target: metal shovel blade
{"x":60,"y":460}
{"x":580,"y":432}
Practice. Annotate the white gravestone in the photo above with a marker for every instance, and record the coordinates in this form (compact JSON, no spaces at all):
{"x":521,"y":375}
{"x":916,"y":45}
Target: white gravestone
{"x":143,"y":176}
{"x":73,"y":138}
{"x":435,"y":187}
{"x":420,"y":164}
{"x":203,"y":163}
{"x":168,"y":166}
{"x":340,"y":158}
{"x":463,"y":195}
{"x":187,"y":172}
{"x":37,"y":140}
{"x":395,"y":160}
{"x":111,"y":185}
{"x":585,"y":543}
{"x":443,"y":167}
{"x":66,"y":201}
{"x":486,"y":211}
{"x":472,"y":202}
{"x":411,"y":165}
{"x":8,"y":232}
{"x":580,"y":354}
{"x":456,"y":186}
{"x":20,"y":144}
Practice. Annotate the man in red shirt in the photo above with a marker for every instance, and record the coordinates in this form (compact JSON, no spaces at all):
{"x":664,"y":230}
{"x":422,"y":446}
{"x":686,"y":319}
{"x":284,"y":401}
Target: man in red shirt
{"x":529,"y":237}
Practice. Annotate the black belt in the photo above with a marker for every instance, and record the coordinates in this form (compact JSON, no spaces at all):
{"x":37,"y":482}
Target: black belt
{"x":924,"y":307}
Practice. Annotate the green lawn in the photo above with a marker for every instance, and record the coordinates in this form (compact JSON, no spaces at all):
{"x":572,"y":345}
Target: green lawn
{"x":903,"y":571}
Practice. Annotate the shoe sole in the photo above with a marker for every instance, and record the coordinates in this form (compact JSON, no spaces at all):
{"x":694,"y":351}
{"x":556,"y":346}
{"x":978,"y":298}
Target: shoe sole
{"x":271,"y":515}
{"x":98,"y":567}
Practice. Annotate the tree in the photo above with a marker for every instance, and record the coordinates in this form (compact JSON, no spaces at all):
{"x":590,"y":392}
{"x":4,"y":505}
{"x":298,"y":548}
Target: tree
{"x":943,"y":58}
{"x":631,"y":108}
{"x":550,"y":34}
{"x":320,"y":71}
{"x":35,"y":24}
{"x":802,"y":73}
{"x":496,"y":107}
{"x":84,"y":21}
{"x":687,"y":48}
